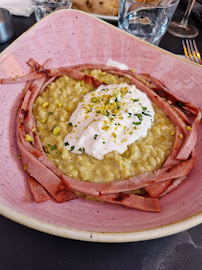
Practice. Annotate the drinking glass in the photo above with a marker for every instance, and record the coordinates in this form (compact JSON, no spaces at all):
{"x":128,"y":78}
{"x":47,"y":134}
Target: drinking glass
{"x":183,"y":29}
{"x":146,"y":21}
{"x":45,"y":7}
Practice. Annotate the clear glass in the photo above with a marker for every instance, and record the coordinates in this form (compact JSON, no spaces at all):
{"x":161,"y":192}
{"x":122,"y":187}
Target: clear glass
{"x":45,"y":7}
{"x":145,"y":21}
{"x":183,"y":29}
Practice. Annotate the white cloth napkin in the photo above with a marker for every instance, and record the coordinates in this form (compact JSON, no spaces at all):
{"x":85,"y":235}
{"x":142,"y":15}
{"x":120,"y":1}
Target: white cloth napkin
{"x":17,"y":7}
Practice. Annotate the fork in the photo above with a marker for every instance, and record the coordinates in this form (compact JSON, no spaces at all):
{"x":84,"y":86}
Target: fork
{"x":191,"y":51}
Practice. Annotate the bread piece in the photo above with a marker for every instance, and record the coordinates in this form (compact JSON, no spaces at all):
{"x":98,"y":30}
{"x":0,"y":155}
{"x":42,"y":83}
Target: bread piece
{"x":102,"y":7}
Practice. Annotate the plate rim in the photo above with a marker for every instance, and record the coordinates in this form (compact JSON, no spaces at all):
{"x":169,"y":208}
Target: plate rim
{"x":102,"y":237}
{"x":105,"y":17}
{"x":91,"y":236}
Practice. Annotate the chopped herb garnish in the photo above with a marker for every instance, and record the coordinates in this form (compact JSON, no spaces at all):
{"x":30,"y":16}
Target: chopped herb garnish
{"x":146,"y":114}
{"x":49,"y":145}
{"x":82,"y":150}
{"x":59,"y":153}
{"x":95,"y":137}
{"x":66,"y":143}
{"x":72,"y":148}
{"x":136,"y":123}
{"x":50,"y":113}
{"x":107,"y":113}
{"x":116,"y":97}
{"x":53,"y":147}
{"x":103,"y":142}
{"x":75,"y":126}
{"x":70,"y":124}
{"x":144,"y":108}
{"x":53,"y":127}
{"x":118,"y":107}
{"x":89,"y":110}
{"x":135,"y":100}
{"x":139,"y":115}
{"x":130,"y":115}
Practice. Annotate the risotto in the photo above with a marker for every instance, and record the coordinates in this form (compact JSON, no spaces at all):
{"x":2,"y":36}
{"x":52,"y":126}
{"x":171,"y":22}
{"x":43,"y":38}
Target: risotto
{"x":52,"y":111}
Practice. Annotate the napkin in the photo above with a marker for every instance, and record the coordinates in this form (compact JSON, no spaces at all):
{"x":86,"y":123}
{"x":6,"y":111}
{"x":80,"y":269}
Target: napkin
{"x":17,"y":7}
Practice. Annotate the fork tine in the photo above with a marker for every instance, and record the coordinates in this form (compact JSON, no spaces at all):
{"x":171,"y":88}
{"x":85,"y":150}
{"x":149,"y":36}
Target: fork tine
{"x":185,"y":50}
{"x":194,"y":56}
{"x":189,"y":51}
{"x":197,"y":52}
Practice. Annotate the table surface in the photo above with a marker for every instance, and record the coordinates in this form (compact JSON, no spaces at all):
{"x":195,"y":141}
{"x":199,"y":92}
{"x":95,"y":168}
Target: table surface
{"x":25,"y":248}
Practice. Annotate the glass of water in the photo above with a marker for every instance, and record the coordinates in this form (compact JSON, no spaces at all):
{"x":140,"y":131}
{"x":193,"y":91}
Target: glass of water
{"x":45,"y":7}
{"x":146,"y":21}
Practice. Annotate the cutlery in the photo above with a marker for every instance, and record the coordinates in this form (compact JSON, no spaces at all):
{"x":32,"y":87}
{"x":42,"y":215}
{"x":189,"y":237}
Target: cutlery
{"x":191,"y":51}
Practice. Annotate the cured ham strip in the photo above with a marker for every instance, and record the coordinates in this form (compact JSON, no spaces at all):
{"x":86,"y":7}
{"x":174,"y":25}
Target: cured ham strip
{"x":29,"y":121}
{"x":174,"y":184}
{"x":155,"y":190}
{"x":95,"y":66}
{"x":182,"y":115}
{"x":163,"y":105}
{"x":132,"y":201}
{"x":133,"y":183}
{"x":171,"y":160}
{"x":37,"y":190}
{"x":34,"y":151}
{"x":159,"y":88}
{"x":190,"y":140}
{"x":26,"y":118}
{"x":35,"y":160}
{"x":187,"y":107}
{"x":53,"y":73}
{"x":44,"y":176}
{"x":47,"y":82}
{"x":33,"y":64}
{"x":25,"y":101}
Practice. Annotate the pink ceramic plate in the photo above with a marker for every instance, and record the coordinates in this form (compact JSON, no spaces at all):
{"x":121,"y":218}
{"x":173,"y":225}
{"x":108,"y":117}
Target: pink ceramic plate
{"x":72,"y":37}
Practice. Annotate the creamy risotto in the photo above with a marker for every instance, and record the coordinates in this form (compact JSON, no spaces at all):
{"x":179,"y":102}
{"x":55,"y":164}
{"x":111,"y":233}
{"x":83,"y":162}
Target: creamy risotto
{"x":52,"y":111}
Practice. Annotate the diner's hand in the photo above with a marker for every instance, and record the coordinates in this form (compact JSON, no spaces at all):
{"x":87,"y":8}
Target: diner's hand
{"x":17,"y":7}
